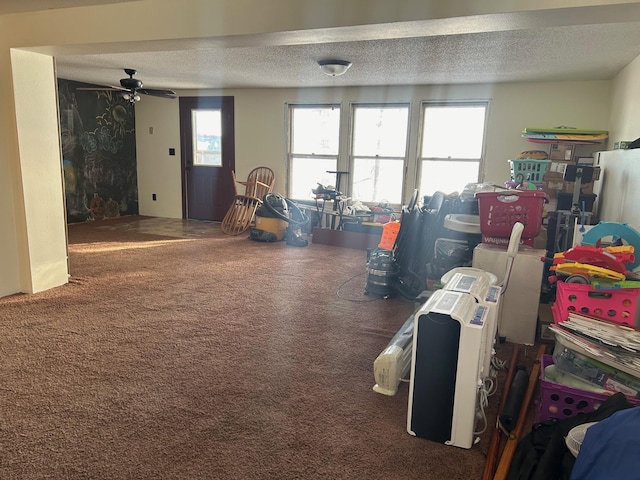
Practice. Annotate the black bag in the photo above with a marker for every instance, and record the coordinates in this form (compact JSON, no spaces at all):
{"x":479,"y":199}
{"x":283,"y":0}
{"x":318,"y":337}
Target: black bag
{"x":543,"y":454}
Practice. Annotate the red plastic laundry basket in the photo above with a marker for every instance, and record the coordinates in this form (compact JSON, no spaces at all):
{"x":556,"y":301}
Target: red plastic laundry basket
{"x":499,"y":211}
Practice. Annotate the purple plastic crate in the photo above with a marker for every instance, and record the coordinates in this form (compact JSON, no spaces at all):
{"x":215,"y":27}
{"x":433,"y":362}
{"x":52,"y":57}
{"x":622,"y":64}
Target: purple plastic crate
{"x":560,"y":401}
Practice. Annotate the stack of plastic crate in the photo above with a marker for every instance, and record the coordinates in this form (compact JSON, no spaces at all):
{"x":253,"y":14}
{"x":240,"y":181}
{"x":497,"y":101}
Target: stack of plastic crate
{"x":597,"y":328}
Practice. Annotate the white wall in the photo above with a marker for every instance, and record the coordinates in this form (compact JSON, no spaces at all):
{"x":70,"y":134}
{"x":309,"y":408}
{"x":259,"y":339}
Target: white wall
{"x":158,"y":130}
{"x":40,"y":192}
{"x":625,"y":104}
{"x":260,"y":127}
{"x":10,"y":225}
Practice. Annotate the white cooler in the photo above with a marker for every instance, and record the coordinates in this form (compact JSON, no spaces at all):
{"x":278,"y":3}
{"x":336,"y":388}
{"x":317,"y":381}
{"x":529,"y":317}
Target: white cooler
{"x":518,"y":317}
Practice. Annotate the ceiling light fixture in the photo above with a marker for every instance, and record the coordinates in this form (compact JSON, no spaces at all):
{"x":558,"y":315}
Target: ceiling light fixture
{"x":131,"y":98}
{"x":334,"y":68}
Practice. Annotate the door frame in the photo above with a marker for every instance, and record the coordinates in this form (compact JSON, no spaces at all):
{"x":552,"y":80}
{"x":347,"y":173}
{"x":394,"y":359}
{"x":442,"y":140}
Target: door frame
{"x":187,"y":104}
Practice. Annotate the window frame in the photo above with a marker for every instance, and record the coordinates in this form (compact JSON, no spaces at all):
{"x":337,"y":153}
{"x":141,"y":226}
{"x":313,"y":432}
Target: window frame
{"x":420,"y":160}
{"x":352,"y":157}
{"x":289,"y":107}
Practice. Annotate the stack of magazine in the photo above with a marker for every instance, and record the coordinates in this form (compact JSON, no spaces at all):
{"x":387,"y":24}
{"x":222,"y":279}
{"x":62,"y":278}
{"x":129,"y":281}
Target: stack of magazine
{"x":604,"y":353}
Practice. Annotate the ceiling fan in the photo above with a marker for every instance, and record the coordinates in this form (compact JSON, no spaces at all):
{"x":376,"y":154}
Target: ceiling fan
{"x":131,"y":88}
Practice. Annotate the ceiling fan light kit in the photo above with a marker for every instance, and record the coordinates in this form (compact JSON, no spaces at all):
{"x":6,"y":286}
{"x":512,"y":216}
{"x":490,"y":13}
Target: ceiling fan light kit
{"x":131,"y":98}
{"x":334,"y":68}
{"x":132,"y":87}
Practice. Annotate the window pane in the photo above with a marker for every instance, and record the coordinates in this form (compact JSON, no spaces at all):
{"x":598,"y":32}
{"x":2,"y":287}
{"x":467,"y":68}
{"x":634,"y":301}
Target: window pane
{"x":306,"y":173}
{"x":315,"y":130}
{"x":377,"y":179}
{"x":447,"y":176}
{"x":207,"y":131}
{"x":453,"y":131}
{"x":380,"y":131}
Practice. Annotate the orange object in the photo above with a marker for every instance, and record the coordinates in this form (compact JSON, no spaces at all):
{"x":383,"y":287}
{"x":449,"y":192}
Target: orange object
{"x":389,"y":234}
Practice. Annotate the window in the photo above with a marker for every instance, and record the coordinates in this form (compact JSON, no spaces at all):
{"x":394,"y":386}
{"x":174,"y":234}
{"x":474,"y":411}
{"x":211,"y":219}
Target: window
{"x":379,"y":149}
{"x":314,"y":137}
{"x":207,"y":133}
{"x":452,"y":146}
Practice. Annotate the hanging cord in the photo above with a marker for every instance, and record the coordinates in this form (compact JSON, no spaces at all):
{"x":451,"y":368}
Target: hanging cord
{"x":373,"y":299}
{"x":488,"y":388}
{"x":483,"y":402}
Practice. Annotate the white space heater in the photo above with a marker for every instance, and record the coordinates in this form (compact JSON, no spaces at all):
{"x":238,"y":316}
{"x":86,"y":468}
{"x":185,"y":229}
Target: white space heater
{"x":393,"y":364}
{"x":481,"y":286}
{"x":446,"y":359}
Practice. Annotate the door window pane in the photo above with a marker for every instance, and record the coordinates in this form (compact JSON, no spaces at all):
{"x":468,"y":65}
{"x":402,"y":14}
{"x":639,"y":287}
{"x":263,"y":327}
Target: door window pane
{"x":207,"y":133}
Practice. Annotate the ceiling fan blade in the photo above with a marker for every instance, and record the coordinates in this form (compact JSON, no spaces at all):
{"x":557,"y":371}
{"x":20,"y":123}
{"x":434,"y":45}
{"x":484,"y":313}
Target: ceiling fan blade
{"x":157,"y":93}
{"x":103,"y":89}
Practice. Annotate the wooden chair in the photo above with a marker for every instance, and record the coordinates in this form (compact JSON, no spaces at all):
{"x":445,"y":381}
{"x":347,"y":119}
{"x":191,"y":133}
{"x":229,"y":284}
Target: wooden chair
{"x":242,"y":211}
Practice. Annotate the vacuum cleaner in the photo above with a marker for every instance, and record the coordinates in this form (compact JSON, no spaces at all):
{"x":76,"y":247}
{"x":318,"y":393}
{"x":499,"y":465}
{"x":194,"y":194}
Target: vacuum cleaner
{"x":279,"y":218}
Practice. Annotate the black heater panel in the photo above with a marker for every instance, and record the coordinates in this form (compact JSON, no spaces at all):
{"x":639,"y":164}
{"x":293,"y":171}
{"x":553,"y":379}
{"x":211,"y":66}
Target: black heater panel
{"x":437,"y":339}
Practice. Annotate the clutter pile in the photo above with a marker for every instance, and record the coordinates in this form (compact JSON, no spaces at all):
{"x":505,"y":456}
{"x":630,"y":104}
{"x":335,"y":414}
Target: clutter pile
{"x":597,"y":330}
{"x":406,"y":258}
{"x":328,"y":192}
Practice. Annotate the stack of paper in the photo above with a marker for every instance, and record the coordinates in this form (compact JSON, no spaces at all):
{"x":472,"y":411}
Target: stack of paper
{"x":612,"y":344}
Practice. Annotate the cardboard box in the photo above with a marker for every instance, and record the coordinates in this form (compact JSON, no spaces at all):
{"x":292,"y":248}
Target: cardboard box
{"x":540,"y":241}
{"x":553,"y":186}
{"x":561,"y":151}
{"x":555,"y":175}
{"x":584,"y":188}
{"x":556,"y":169}
{"x":545,"y":318}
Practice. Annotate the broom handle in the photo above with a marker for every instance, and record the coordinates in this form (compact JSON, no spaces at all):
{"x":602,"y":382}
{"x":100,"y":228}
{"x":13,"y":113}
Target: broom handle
{"x":494,"y":446}
{"x":512,"y":441}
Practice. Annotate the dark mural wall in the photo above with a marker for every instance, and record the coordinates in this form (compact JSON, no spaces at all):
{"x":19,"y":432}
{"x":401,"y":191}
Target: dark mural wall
{"x":98,"y":153}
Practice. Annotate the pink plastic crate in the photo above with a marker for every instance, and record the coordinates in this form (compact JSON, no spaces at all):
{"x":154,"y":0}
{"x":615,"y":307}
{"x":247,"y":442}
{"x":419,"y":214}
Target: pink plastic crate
{"x":560,"y":401}
{"x":619,"y":305}
{"x":499,"y":212}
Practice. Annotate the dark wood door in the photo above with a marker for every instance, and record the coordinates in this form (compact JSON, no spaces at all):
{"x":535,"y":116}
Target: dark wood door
{"x":208,"y":156}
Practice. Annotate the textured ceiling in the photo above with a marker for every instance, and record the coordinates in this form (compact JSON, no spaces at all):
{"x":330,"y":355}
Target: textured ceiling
{"x":572,"y":53}
{"x":566,"y":44}
{"x":16,"y":6}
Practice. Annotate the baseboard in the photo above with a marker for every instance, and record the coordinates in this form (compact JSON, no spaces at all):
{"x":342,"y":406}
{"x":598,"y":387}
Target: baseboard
{"x":340,"y":238}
